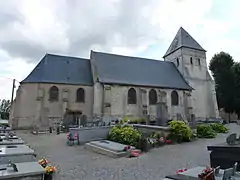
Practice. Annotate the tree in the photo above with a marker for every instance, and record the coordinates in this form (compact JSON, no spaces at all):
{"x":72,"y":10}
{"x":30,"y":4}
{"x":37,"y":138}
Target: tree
{"x":5,"y":108}
{"x":236,"y":70}
{"x":222,"y":69}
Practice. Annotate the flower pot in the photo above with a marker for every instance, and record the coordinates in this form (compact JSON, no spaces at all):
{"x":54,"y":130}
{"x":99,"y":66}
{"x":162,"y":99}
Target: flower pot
{"x":48,"y":177}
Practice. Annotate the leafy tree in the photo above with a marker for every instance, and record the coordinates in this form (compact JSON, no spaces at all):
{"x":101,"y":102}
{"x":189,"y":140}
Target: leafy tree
{"x":222,"y":69}
{"x":236,"y":70}
{"x":5,"y":108}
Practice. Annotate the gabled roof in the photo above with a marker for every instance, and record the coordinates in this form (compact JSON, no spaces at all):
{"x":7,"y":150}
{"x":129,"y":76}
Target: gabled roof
{"x":183,"y":39}
{"x":61,"y":69}
{"x":124,"y":70}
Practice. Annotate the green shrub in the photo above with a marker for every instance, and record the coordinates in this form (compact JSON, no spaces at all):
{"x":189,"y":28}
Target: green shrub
{"x":205,"y":131}
{"x":141,"y":120}
{"x":179,"y":131}
{"x":124,"y":119}
{"x":125,"y":135}
{"x":143,"y":144}
{"x":219,"y":128}
{"x":138,"y":121}
{"x":134,"y":121}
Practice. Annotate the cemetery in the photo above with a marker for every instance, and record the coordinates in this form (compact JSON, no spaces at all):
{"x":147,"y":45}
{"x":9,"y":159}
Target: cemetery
{"x":18,"y":161}
{"x":125,"y":139}
{"x":130,"y":140}
{"x":113,"y":139}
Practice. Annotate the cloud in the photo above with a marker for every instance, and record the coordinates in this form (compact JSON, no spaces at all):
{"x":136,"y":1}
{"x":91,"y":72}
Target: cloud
{"x":75,"y":27}
{"x":12,"y":69}
{"x":31,"y":28}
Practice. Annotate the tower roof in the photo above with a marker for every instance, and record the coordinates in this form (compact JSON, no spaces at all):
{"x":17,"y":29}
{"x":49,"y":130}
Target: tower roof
{"x":183,"y":39}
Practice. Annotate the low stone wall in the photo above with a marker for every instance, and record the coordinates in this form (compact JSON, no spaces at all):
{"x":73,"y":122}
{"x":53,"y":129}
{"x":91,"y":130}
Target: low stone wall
{"x":150,"y":129}
{"x":87,"y":134}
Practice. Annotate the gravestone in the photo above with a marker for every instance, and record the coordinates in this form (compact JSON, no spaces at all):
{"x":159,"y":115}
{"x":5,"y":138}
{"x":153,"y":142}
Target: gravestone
{"x":232,"y":139}
{"x":179,"y":117}
{"x":161,"y":118}
{"x":193,"y":121}
{"x":16,"y":154}
{"x":22,"y":171}
{"x":83,"y":120}
{"x":225,"y":154}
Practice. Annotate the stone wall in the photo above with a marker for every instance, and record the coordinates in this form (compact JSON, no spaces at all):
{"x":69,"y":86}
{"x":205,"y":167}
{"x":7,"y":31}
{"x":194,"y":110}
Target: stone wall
{"x":115,"y":103}
{"x":87,"y":134}
{"x":148,"y":129}
{"x":32,"y":106}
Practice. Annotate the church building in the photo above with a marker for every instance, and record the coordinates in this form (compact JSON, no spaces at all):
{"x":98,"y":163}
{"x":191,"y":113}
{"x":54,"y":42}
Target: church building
{"x":113,"y":86}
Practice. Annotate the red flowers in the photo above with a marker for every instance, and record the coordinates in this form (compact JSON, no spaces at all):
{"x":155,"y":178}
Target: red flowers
{"x":127,"y":148}
{"x":181,"y":170}
{"x":168,"y":141}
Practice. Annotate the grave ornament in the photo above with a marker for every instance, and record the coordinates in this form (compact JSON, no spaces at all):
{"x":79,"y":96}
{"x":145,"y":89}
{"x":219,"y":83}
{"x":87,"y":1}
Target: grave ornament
{"x":232,"y":139}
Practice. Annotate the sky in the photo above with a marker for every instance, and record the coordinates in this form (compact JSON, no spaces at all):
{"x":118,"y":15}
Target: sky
{"x":32,"y":28}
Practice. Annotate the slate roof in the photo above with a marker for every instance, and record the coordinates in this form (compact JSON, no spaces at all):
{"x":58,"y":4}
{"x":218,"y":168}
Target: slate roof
{"x":183,"y":39}
{"x":117,"y":69}
{"x":61,"y":69}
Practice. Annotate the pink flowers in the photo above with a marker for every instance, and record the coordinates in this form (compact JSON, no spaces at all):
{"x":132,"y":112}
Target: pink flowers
{"x":76,"y":136}
{"x":134,"y":153}
{"x":68,"y":135}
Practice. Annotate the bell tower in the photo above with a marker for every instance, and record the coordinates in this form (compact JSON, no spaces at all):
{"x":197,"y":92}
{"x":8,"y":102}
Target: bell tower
{"x":190,"y":59}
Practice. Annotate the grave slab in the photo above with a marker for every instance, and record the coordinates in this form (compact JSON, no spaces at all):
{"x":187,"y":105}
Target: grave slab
{"x":224,"y":155}
{"x":109,"y":148}
{"x":11,"y":141}
{"x":26,"y":171}
{"x":16,"y":154}
{"x":10,"y":137}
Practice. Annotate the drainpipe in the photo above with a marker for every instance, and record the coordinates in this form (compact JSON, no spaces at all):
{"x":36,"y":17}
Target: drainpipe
{"x":103,"y":100}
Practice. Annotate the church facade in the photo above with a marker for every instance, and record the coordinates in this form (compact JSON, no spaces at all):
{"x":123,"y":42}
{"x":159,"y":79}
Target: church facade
{"x":113,"y":86}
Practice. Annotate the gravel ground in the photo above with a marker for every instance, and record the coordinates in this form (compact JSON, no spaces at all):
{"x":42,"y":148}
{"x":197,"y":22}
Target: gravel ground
{"x":75,"y":163}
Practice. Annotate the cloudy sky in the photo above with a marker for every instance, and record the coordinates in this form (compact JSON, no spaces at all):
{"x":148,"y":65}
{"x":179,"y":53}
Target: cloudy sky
{"x":31,"y":28}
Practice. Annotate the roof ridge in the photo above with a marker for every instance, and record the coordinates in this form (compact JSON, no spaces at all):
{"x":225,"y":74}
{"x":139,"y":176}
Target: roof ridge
{"x":65,"y":56}
{"x":131,"y":57}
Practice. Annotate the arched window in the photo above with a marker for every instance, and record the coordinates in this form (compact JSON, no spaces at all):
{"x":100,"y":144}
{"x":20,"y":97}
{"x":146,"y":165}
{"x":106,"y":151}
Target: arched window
{"x":177,"y":62}
{"x":132,"y":96}
{"x":80,"y":97}
{"x":199,"y":62}
{"x":174,"y":98}
{"x":152,"y":96}
{"x":191,"y":60}
{"x":53,"y":93}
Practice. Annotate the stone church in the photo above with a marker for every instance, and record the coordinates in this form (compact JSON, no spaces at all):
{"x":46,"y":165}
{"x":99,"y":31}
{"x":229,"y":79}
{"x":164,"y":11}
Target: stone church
{"x":113,"y":86}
